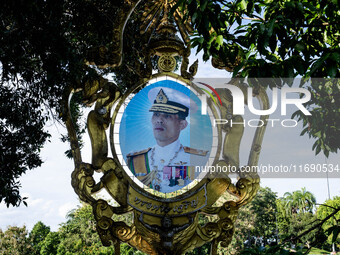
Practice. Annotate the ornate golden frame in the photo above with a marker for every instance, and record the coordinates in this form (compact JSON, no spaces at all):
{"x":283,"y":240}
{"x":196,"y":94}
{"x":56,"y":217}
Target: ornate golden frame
{"x":183,"y":231}
{"x":160,"y":225}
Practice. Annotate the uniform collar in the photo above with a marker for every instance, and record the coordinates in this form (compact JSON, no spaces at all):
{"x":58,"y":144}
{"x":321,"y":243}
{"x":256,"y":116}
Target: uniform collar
{"x":168,"y":148}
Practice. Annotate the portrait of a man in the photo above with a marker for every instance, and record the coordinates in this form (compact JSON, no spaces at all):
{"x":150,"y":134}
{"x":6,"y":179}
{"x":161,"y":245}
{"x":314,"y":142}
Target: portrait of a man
{"x":166,"y":166}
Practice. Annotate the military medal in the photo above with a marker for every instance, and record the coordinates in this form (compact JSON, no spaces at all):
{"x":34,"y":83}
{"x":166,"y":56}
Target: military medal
{"x":157,"y":177}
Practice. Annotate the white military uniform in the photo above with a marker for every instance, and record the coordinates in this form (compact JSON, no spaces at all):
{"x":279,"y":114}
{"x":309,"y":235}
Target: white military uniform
{"x":171,"y":167}
{"x":172,"y":163}
{"x":170,"y":155}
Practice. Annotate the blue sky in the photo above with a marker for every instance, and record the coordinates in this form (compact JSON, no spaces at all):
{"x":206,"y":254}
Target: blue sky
{"x":51,"y":195}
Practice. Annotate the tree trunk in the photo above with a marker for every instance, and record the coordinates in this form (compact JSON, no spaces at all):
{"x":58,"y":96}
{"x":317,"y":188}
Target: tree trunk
{"x":117,"y":247}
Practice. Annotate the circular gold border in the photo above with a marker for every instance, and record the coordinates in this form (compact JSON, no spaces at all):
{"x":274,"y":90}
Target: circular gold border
{"x":159,"y":196}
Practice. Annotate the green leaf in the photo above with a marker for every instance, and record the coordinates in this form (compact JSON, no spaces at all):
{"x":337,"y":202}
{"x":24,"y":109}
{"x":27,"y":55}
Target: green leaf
{"x":315,"y":144}
{"x":298,"y":65}
{"x":271,"y":27}
{"x":238,"y":68}
{"x":317,"y":64}
{"x":206,"y":56}
{"x":219,"y":40}
{"x":271,"y":57}
{"x":299,"y":46}
{"x":211,"y":39}
{"x":304,"y":131}
{"x":203,"y":4}
{"x":243,"y":5}
{"x":309,"y":6}
{"x":296,"y":114}
{"x":326,"y":152}
{"x":335,"y":56}
{"x":206,"y":23}
{"x":325,"y":37}
{"x":250,"y":7}
{"x":258,"y":9}
{"x":332,"y":70}
{"x":335,"y":230}
{"x":194,"y":17}
{"x":318,"y":149}
{"x":199,"y":48}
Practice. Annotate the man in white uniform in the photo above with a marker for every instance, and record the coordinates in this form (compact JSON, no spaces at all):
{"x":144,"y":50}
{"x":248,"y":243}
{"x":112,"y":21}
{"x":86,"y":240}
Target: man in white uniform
{"x":166,"y":166}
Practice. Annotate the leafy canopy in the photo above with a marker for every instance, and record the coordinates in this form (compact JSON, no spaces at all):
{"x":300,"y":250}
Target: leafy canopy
{"x":332,"y":225}
{"x":43,"y":48}
{"x":278,"y":39}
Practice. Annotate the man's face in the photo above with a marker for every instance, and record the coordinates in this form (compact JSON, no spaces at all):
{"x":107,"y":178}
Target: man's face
{"x":166,"y":127}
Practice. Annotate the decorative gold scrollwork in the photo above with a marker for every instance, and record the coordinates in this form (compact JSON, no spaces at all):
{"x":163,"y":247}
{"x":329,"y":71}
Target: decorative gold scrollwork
{"x":160,"y":225}
{"x":104,"y":223}
{"x":209,"y":232}
{"x":153,"y":238}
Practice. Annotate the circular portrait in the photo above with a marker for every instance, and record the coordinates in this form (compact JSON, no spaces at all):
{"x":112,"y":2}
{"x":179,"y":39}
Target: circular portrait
{"x":163,"y":136}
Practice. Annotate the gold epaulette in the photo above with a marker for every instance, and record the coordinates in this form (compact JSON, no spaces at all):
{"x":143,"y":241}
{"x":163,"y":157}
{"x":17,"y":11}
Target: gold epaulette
{"x":138,"y":152}
{"x":195,"y":151}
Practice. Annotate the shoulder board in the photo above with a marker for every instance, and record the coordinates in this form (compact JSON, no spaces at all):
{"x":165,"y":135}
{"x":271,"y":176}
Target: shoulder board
{"x":195,"y":151}
{"x":138,"y":152}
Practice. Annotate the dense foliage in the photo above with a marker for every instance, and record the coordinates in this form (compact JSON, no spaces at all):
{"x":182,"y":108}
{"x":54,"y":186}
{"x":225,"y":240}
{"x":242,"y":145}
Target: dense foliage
{"x":331,"y":226}
{"x":256,"y":223}
{"x":14,"y":241}
{"x":262,"y":227}
{"x":270,"y":38}
{"x":44,"y":46}
{"x":43,"y":50}
{"x":76,"y":236}
{"x":278,"y":39}
{"x":265,"y":226}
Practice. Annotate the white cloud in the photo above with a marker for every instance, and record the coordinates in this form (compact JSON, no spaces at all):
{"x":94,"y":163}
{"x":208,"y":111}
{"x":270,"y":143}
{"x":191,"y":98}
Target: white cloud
{"x":65,"y":208}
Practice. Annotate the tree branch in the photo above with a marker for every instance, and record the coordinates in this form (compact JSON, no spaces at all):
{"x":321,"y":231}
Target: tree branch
{"x":255,"y":19}
{"x":328,"y":206}
{"x":306,"y":25}
{"x":314,"y":227}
